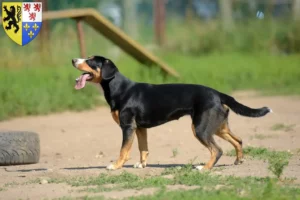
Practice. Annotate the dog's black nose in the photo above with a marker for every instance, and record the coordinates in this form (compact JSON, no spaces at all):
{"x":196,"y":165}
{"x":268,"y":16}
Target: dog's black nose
{"x":74,"y":61}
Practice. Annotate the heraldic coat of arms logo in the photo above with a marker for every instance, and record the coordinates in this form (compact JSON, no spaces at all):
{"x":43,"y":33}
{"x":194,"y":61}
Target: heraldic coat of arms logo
{"x":22,"y":21}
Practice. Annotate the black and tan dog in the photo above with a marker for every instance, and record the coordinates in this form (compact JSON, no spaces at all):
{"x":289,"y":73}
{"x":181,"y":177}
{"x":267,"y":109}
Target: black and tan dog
{"x":139,"y":106}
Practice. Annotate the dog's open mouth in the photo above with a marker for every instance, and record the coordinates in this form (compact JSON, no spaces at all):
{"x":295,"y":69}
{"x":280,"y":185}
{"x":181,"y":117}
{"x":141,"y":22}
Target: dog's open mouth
{"x":81,"y":81}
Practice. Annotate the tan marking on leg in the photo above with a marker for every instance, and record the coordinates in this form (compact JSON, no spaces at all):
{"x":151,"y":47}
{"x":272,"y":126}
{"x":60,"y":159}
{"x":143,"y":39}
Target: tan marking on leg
{"x":225,"y":107}
{"x":194,"y":131}
{"x":128,"y":156}
{"x":213,"y":148}
{"x":212,"y":160}
{"x":143,"y":147}
{"x":225,"y":133}
{"x":236,"y":138}
{"x":124,"y":154}
{"x":115,"y":116}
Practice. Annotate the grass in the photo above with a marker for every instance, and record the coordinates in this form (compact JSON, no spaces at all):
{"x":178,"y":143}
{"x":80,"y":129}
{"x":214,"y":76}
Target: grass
{"x":283,"y":127}
{"x":123,"y":181}
{"x":298,"y":151}
{"x":32,"y":91}
{"x":209,"y":185}
{"x":277,"y":160}
{"x":175,"y":152}
{"x":31,"y":84}
{"x":277,"y":165}
{"x":261,"y":153}
{"x":196,"y":38}
{"x":43,"y":90}
{"x":211,"y":195}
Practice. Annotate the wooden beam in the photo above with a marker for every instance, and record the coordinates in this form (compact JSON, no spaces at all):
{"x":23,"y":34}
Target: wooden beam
{"x":80,"y":34}
{"x":113,"y":33}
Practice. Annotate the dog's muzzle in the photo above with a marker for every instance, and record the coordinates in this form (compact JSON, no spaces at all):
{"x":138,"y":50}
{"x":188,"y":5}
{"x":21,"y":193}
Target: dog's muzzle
{"x":77,"y":61}
{"x":74,"y":61}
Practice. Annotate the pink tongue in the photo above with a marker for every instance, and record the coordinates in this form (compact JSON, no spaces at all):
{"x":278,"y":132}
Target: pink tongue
{"x":81,"y":82}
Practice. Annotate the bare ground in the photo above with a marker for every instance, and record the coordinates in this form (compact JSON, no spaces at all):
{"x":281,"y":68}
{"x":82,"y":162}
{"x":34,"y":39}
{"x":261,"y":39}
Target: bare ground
{"x":83,"y":144}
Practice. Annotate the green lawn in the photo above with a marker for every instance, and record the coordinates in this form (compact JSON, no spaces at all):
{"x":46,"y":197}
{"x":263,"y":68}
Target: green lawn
{"x":210,"y":186}
{"x":47,"y":89}
{"x":32,"y":83}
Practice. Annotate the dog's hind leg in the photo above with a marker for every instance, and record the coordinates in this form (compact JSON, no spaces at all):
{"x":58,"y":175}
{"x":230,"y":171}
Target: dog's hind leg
{"x":204,"y":127}
{"x":238,"y":139}
{"x":225,"y":133}
{"x":143,"y":147}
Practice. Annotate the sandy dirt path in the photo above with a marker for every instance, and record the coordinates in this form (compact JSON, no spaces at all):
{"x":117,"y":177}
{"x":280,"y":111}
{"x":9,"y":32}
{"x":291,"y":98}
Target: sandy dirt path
{"x":84,"y":143}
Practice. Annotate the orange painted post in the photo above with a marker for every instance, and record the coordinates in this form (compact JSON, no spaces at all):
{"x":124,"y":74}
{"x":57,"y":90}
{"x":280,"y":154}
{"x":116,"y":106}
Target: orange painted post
{"x":103,"y":26}
{"x":159,"y":21}
{"x":80,"y":35}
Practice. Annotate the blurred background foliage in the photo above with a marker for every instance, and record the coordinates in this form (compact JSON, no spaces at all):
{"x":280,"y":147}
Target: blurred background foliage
{"x":251,"y":44}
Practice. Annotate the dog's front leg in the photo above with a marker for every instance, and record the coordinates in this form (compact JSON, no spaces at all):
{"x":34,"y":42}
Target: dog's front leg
{"x":128,"y":137}
{"x":141,"y":134}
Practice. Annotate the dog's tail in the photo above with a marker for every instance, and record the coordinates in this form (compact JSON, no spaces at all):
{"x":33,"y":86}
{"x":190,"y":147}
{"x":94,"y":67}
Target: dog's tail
{"x":242,"y":109}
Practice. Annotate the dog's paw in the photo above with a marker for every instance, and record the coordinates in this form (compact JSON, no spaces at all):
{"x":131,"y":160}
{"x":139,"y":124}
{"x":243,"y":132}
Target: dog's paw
{"x":200,"y":167}
{"x":238,"y":161}
{"x":139,"y":165}
{"x":111,"y":167}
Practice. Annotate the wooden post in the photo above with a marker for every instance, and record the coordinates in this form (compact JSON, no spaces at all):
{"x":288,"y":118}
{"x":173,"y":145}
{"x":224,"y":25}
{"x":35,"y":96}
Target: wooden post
{"x":80,"y":35}
{"x":189,"y":11}
{"x":226,"y":14}
{"x":296,"y":9}
{"x":159,"y":21}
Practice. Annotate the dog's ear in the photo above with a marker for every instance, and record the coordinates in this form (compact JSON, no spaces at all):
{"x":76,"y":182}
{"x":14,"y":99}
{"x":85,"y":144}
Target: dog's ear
{"x":108,"y":70}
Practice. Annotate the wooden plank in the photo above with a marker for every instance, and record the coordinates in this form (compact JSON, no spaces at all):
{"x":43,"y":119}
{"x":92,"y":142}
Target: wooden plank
{"x":113,"y":33}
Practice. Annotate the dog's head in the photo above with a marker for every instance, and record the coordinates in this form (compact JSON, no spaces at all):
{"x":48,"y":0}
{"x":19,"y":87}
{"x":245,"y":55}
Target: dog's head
{"x":95,"y":69}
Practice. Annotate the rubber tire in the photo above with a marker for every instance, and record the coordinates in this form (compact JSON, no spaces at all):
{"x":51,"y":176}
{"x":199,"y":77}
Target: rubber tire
{"x":18,"y":148}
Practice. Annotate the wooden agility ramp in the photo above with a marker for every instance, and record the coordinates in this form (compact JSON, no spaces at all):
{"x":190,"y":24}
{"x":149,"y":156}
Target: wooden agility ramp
{"x":113,"y":33}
